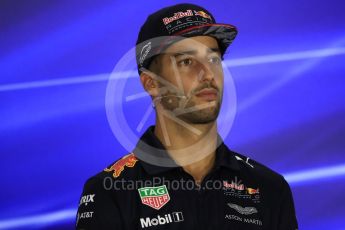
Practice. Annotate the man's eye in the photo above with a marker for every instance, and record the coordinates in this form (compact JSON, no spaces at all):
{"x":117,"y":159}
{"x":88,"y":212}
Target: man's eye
{"x":185,"y":62}
{"x":215,"y":60}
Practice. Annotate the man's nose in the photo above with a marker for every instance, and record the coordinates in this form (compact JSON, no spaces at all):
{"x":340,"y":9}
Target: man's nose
{"x":205,"y":72}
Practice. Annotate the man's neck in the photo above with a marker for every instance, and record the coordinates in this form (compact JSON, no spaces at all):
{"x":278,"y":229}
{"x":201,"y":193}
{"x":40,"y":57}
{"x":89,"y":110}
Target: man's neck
{"x":193,"y":146}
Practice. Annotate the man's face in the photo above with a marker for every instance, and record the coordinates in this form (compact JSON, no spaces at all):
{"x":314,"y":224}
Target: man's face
{"x":192,"y":68}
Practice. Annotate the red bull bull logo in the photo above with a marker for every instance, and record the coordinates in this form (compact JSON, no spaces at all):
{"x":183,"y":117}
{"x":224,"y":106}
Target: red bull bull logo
{"x":252,"y":191}
{"x":202,"y":14}
{"x":117,"y":168}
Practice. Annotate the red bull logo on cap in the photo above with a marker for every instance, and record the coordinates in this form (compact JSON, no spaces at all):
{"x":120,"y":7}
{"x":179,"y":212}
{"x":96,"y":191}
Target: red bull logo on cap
{"x":117,"y":168}
{"x":177,"y":16}
{"x":202,"y":14}
{"x":252,"y":191}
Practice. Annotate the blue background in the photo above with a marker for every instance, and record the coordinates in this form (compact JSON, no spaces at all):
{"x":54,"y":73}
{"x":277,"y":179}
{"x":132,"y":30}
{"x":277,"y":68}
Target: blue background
{"x":55,"y":57}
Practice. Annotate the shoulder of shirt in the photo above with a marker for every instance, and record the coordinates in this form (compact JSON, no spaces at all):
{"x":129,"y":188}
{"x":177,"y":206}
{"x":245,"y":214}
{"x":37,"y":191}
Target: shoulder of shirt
{"x":259,"y":170}
{"x":124,"y":167}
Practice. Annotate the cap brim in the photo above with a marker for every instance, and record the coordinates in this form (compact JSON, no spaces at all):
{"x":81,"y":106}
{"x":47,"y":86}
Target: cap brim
{"x":224,"y":33}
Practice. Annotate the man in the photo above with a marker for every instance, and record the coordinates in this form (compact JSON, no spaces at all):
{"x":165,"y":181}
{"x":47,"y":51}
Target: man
{"x":181,"y":175}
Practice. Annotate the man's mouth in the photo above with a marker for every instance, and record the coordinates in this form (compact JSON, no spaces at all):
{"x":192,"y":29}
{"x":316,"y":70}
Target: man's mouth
{"x":207,"y":94}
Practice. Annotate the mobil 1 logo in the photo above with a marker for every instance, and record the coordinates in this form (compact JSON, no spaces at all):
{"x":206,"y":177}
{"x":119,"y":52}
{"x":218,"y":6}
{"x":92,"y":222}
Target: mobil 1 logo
{"x":161,"y":219}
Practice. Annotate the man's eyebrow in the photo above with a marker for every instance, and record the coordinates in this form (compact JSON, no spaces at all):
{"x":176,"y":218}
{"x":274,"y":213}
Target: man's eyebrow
{"x":186,"y":52}
{"x":193,"y":52}
{"x":213,"y":50}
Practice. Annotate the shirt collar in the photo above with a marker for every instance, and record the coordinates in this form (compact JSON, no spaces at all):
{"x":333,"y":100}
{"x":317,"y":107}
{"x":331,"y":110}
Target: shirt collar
{"x":224,"y":156}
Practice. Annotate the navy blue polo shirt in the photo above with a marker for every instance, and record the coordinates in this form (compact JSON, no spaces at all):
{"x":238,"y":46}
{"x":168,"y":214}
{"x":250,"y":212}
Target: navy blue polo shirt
{"x":238,"y":193}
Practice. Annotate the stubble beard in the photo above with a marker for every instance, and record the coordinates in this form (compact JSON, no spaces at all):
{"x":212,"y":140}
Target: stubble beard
{"x":202,"y":116}
{"x":198,"y":116}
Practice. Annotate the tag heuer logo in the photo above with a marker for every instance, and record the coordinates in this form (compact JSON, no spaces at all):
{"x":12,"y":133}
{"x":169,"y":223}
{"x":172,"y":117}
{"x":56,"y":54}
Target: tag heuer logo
{"x":155,"y":197}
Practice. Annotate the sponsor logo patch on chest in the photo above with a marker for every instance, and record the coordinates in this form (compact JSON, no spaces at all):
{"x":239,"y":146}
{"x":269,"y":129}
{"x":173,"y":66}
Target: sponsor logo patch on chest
{"x":154,"y":197}
{"x":236,"y":188}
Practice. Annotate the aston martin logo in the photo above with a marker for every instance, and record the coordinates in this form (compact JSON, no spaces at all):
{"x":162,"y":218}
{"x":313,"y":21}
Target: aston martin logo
{"x":243,"y":210}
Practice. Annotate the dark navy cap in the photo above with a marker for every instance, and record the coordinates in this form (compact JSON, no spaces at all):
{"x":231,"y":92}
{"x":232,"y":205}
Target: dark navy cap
{"x":166,"y":26}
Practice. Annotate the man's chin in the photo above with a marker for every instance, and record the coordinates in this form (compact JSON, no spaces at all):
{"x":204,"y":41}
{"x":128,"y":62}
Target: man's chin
{"x":204,"y":116}
{"x":204,"y":121}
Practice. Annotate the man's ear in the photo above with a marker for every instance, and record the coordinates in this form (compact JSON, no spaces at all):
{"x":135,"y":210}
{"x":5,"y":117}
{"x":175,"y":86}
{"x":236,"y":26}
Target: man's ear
{"x":149,"y":83}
